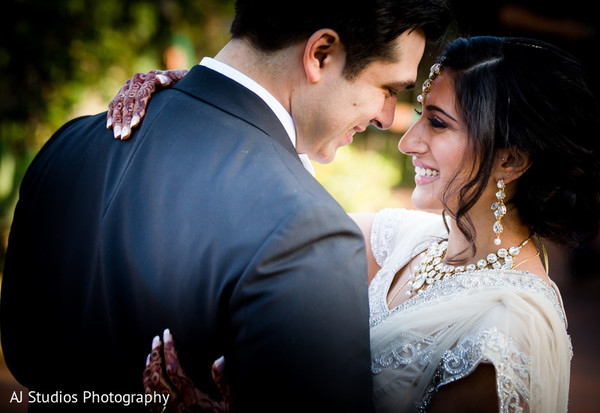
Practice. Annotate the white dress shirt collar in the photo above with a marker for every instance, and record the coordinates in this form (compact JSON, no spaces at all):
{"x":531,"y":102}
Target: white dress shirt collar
{"x":284,"y":117}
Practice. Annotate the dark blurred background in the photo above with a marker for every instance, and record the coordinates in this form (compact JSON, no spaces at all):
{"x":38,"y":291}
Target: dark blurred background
{"x":65,"y":58}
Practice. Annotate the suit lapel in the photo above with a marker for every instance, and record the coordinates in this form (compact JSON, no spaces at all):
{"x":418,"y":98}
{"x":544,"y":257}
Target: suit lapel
{"x":215,"y":89}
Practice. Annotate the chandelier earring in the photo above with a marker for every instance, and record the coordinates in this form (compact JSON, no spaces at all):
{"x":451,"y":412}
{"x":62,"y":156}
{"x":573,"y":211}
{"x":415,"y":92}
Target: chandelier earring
{"x":499,"y":211}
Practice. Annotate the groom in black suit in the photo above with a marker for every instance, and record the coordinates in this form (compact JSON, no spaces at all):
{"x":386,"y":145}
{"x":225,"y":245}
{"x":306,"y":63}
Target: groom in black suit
{"x":207,"y":221}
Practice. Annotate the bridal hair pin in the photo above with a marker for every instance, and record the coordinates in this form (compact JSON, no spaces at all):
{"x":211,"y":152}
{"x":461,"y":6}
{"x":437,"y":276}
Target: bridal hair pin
{"x":524,"y":44}
{"x":435,"y":70}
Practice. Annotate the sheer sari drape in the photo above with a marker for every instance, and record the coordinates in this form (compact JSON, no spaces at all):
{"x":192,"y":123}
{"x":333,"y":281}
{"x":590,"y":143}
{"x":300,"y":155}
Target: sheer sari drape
{"x":510,"y":319}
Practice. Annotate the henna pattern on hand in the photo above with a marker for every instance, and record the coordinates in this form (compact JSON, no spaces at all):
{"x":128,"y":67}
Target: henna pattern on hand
{"x":128,"y":107}
{"x":164,"y":374}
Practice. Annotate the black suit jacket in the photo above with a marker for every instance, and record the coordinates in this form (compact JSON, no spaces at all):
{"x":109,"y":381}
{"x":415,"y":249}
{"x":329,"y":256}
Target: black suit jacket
{"x":205,"y":222}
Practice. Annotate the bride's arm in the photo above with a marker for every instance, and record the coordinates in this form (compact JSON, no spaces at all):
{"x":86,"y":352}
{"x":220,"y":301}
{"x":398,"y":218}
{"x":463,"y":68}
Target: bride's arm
{"x":473,"y":393}
{"x":365,"y":223}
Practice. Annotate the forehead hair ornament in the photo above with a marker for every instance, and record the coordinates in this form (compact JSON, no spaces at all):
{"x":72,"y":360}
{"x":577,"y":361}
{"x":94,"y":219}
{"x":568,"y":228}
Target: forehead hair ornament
{"x":435,"y":70}
{"x":518,"y":43}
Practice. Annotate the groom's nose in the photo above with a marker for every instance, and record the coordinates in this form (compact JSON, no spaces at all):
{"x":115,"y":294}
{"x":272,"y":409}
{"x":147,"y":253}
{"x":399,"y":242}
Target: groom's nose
{"x":385,"y":118}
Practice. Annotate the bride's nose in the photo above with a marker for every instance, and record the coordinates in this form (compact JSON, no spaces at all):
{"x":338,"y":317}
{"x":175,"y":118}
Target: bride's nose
{"x":411,"y":142}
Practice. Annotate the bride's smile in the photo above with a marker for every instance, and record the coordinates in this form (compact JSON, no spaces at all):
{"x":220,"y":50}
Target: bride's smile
{"x":424,"y":174}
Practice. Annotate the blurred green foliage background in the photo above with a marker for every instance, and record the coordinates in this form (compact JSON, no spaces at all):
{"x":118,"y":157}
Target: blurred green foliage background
{"x":63,"y":58}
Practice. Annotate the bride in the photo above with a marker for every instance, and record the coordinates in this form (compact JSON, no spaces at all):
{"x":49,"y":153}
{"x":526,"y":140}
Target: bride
{"x":463,"y":313}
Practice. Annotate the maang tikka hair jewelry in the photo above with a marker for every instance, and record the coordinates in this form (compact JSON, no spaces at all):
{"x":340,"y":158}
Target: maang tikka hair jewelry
{"x":435,"y":70}
{"x":499,"y":210}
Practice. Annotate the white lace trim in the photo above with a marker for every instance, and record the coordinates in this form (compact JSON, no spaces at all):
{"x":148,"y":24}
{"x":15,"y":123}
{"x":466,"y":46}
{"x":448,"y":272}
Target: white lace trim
{"x":460,"y":284}
{"x":384,"y":228}
{"x":382,"y":233}
{"x":489,"y":346}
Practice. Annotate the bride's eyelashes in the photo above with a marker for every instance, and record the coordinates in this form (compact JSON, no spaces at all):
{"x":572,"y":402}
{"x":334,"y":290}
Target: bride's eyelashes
{"x":435,"y":122}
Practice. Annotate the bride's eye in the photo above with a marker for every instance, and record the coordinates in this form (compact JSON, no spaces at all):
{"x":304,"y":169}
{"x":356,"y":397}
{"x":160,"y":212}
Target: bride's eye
{"x":418,"y":112}
{"x":436,"y":123}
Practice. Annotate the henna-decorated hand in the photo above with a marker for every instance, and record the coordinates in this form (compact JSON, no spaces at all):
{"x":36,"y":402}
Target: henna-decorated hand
{"x":164,"y":375}
{"x":128,"y":107}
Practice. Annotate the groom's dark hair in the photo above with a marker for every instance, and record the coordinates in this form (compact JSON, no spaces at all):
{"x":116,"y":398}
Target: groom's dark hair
{"x":366,"y":27}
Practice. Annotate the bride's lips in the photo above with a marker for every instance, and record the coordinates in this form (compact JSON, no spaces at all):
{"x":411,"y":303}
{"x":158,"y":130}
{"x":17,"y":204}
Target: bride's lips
{"x":424,"y":174}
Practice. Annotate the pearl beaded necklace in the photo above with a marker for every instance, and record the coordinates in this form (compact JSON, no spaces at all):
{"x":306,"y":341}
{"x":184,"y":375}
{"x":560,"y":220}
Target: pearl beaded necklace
{"x":432,"y":268}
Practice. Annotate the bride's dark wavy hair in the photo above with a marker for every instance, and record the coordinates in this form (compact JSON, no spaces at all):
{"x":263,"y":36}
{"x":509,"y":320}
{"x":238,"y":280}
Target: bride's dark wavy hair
{"x":531,"y":97}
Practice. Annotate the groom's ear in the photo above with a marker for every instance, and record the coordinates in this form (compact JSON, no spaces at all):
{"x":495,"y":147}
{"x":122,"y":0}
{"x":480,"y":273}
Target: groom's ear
{"x":322,"y":51}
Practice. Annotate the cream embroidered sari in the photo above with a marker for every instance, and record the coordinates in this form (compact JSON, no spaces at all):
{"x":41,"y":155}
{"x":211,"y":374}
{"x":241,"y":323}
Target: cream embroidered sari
{"x":511,"y":319}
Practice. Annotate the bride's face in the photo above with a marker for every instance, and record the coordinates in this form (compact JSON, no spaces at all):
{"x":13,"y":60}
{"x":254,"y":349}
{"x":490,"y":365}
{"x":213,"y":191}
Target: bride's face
{"x":438,"y":144}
